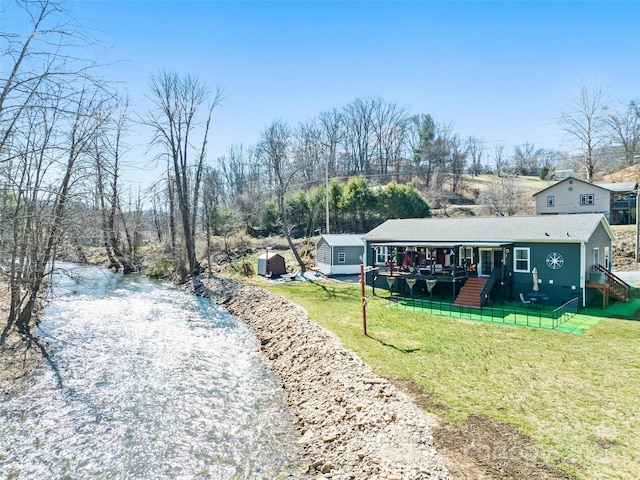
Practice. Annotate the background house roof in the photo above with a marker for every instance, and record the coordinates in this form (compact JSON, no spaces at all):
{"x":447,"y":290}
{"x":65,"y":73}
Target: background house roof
{"x":567,"y":180}
{"x":335,"y":240}
{"x":619,"y":187}
{"x":495,"y":230}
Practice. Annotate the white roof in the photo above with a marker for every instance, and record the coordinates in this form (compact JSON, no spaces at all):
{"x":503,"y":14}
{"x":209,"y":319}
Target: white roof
{"x":335,"y":240}
{"x":619,"y":186}
{"x":271,"y":255}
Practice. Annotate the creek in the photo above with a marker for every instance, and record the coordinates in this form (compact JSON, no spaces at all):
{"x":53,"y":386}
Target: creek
{"x":144,"y":381}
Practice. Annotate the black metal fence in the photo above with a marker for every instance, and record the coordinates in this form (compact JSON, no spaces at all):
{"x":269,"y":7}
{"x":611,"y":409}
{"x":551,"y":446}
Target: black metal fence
{"x":503,"y":314}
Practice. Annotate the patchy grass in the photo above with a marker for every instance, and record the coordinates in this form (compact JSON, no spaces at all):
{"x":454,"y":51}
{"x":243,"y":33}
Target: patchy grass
{"x":576,"y":396}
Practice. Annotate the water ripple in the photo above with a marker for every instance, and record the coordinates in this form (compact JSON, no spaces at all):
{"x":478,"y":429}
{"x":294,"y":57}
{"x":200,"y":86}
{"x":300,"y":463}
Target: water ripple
{"x":145,"y":382}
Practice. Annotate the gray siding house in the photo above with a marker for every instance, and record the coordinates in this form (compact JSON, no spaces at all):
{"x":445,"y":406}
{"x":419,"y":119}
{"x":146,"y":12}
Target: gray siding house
{"x":564,"y":250}
{"x":571,"y":195}
{"x":339,"y":254}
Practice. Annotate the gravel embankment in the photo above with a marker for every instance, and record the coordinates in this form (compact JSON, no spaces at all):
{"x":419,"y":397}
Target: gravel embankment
{"x":353,"y":424}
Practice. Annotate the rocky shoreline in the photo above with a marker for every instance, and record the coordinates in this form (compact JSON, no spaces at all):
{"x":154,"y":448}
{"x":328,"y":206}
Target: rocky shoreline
{"x":352,"y":423}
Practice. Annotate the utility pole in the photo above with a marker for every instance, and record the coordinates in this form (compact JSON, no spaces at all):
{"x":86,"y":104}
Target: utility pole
{"x":637,"y":224}
{"x":326,"y":185}
{"x":364,"y":300}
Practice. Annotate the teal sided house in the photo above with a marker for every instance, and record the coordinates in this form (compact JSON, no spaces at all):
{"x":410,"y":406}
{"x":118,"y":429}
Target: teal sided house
{"x":339,"y":254}
{"x":476,"y":260}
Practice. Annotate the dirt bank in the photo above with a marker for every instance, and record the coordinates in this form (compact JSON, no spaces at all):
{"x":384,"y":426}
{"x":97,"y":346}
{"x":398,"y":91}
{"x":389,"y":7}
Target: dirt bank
{"x":18,"y":356}
{"x":352,"y":423}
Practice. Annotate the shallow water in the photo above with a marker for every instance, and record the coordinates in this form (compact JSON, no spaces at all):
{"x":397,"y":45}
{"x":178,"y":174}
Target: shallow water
{"x":145,"y":381}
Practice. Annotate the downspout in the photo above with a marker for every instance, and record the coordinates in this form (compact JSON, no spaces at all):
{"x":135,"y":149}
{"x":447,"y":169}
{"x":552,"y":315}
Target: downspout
{"x":583,"y":266}
{"x":331,"y":260}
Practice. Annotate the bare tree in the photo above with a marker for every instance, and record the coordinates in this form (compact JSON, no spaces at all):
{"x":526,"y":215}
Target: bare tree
{"x":476,"y":148}
{"x":107,"y":153}
{"x":503,"y":196}
{"x":275,"y":151}
{"x":458,"y":162}
{"x":242,"y":183}
{"x":45,"y":189}
{"x":525,"y":159}
{"x":309,"y":153}
{"x":359,"y":138}
{"x":174,"y":118}
{"x":499,"y":159}
{"x":390,"y":130}
{"x":330,"y":127}
{"x":41,"y":53}
{"x":625,"y":128}
{"x":50,"y":110}
{"x":585,"y":119}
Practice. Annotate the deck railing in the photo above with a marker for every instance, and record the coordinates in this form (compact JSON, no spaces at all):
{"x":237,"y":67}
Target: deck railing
{"x":488,"y":287}
{"x":616,"y":286}
{"x":622,"y":204}
{"x":566,"y":311}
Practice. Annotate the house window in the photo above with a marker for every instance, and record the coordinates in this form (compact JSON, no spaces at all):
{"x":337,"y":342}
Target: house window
{"x":466,"y":255}
{"x":382,"y":255}
{"x":521,"y":258}
{"x":606,"y":258}
{"x":550,"y":201}
{"x":342,"y":257}
{"x":586,"y":199}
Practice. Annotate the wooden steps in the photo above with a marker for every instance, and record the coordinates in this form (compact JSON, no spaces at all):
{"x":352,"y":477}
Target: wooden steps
{"x":469,"y":295}
{"x":613,"y":285}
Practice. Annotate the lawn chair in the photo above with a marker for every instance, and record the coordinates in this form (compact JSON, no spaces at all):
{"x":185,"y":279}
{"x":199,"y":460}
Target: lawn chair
{"x":526,"y":302}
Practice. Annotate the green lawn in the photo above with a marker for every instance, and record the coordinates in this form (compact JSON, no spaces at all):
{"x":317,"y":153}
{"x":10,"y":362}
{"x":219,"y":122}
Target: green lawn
{"x":576,"y":396}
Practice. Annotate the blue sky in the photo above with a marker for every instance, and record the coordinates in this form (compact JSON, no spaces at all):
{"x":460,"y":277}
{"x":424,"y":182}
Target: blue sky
{"x":501,"y":71}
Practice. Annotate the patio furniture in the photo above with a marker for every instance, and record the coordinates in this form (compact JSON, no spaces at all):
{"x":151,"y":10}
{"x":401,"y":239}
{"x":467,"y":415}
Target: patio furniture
{"x":538,"y":298}
{"x":529,"y":303}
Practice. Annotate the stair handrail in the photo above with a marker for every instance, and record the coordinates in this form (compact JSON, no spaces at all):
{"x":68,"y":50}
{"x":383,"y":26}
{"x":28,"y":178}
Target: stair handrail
{"x":488,"y":286}
{"x":616,"y":285}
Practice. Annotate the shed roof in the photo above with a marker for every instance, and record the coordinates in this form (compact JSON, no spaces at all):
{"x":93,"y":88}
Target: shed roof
{"x":491,"y":230}
{"x":270,"y":255}
{"x":335,"y":240}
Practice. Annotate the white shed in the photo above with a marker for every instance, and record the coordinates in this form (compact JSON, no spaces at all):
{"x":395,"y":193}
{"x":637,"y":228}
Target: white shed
{"x":339,"y":254}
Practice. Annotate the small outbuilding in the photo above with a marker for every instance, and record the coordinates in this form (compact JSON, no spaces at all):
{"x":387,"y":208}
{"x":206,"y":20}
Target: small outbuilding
{"x":271,"y":264}
{"x":339,"y":254}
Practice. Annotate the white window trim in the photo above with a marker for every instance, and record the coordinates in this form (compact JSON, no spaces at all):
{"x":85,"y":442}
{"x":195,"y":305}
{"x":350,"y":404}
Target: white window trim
{"x":587,"y":199}
{"x":551,"y":201}
{"x":515,"y":259}
{"x":382,"y":255}
{"x":342,"y":257}
{"x":466,"y":253}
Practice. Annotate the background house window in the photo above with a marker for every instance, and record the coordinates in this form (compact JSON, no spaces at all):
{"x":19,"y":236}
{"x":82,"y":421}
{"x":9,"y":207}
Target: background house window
{"x":550,"y":201}
{"x":521,"y":257}
{"x":586,"y":199}
{"x":342,"y":257}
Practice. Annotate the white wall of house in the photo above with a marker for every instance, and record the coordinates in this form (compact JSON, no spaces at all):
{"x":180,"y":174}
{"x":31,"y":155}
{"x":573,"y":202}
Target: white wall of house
{"x":573,"y":196}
